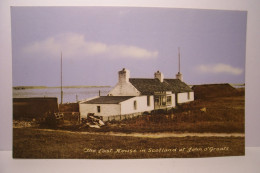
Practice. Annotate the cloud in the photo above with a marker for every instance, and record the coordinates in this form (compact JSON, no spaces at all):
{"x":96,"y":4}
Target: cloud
{"x":75,"y":45}
{"x":220,"y":69}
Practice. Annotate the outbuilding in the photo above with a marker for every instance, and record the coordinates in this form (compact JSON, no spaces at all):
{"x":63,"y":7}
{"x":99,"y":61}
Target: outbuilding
{"x":116,"y":107}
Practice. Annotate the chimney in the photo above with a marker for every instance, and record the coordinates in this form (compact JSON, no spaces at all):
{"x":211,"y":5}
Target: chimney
{"x":158,"y":75}
{"x":179,"y":76}
{"x":123,"y":76}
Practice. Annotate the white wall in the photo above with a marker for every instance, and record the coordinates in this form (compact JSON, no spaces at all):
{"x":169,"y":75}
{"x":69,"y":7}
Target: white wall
{"x":105,"y":109}
{"x":183,"y":97}
{"x":191,"y":96}
{"x":124,"y":89}
{"x":127,"y":107}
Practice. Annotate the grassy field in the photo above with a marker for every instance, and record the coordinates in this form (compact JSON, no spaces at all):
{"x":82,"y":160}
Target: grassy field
{"x":36,"y":143}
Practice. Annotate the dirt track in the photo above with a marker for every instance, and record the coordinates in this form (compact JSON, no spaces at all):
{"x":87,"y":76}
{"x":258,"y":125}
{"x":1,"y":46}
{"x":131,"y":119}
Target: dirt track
{"x":154,"y":135}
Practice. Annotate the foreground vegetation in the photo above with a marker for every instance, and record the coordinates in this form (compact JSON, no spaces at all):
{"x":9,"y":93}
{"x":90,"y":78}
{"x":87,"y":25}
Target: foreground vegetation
{"x":36,"y":143}
{"x":216,"y":115}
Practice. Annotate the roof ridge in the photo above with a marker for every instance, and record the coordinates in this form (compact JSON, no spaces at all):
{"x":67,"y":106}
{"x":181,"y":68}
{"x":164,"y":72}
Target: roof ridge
{"x":141,"y":78}
{"x":108,"y":100}
{"x":155,"y":78}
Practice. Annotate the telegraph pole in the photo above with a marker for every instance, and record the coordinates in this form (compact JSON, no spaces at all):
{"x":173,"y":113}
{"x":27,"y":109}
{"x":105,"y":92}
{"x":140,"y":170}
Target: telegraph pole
{"x":179,"y":55}
{"x":61,"y":92}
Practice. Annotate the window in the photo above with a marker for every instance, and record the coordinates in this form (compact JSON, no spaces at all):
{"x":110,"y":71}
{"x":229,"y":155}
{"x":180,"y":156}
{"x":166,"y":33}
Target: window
{"x":188,"y":95}
{"x":156,"y":100}
{"x":163,"y":98}
{"x":148,"y":100}
{"x":169,"y":100}
{"x":135,"y":105}
{"x":98,"y":109}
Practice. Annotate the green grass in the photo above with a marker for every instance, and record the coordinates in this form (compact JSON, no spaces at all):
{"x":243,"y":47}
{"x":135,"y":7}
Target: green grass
{"x":35,"y":143}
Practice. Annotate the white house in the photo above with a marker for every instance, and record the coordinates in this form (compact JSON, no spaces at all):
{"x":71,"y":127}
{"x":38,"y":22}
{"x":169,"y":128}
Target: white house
{"x":133,"y":96}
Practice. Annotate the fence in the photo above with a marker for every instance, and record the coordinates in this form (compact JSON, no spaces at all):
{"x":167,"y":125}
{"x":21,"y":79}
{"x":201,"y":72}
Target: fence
{"x":120,"y":117}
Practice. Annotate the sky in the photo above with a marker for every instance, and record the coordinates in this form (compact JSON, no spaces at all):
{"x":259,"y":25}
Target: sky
{"x":97,"y":42}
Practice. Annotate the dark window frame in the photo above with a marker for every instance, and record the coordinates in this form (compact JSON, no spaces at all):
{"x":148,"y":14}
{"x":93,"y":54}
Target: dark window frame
{"x":169,"y":100}
{"x":188,"y":96}
{"x":148,"y":101}
{"x":135,"y":105}
{"x":98,"y":109}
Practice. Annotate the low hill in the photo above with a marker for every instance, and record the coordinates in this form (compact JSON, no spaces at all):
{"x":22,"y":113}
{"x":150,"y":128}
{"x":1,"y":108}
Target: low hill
{"x":214,"y":90}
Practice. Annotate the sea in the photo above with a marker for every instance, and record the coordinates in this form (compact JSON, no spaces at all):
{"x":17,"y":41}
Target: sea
{"x":70,"y":95}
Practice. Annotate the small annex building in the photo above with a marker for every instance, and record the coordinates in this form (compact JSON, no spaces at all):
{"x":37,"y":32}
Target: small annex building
{"x":115,"y":107}
{"x":134,"y":96}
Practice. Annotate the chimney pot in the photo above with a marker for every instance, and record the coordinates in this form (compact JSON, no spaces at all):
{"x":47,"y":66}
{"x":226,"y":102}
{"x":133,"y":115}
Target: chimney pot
{"x":159,"y":75}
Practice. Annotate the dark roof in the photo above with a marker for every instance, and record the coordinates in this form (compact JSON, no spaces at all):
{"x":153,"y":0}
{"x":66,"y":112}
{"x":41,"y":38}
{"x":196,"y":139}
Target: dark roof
{"x":149,"y":86}
{"x":108,"y":99}
{"x":177,"y":85}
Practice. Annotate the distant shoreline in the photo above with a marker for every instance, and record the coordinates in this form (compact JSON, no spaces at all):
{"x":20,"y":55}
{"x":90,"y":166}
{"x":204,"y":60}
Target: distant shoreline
{"x":45,"y":87}
{"x":91,"y":86}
